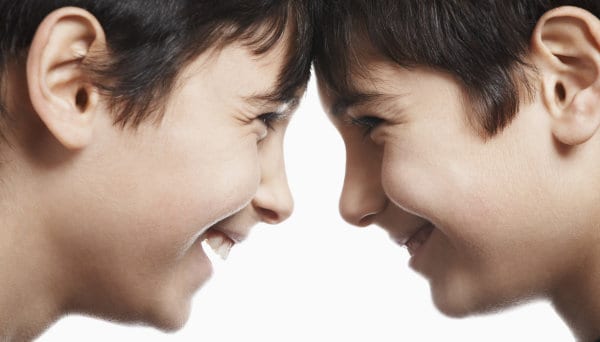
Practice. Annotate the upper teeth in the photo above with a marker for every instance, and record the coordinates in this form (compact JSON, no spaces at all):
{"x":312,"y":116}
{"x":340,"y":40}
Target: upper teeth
{"x":219,"y":243}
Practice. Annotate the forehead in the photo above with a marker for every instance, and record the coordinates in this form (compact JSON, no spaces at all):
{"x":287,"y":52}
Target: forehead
{"x":388,"y":89}
{"x":236,"y":69}
{"x":373,"y":80}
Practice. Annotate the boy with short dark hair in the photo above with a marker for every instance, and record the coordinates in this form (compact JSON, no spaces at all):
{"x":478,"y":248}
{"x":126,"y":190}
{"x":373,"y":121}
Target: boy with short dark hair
{"x":471,"y":130}
{"x":133,"y":130}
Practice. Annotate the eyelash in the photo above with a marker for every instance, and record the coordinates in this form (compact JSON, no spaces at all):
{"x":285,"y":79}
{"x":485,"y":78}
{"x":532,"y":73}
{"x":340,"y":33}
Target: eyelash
{"x":269,"y":119}
{"x":368,"y":123}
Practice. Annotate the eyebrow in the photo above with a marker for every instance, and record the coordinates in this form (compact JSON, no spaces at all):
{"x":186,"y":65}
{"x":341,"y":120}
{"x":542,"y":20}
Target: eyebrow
{"x":343,"y":104}
{"x":274,"y":98}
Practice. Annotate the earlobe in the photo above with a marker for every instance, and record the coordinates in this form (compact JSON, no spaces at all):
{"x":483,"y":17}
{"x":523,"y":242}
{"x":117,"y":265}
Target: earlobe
{"x":59,"y":86}
{"x":566,"y":48}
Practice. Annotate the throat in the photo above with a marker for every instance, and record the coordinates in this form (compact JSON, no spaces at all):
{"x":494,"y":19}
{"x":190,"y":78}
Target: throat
{"x":578,"y":301}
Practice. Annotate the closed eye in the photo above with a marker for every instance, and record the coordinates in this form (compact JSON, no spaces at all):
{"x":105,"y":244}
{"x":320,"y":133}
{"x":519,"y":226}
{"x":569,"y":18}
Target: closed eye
{"x":367,"y":123}
{"x":269,"y":119}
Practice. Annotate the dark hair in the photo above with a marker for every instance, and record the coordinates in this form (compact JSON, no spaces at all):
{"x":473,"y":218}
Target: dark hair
{"x":482,"y":43}
{"x":149,"y":42}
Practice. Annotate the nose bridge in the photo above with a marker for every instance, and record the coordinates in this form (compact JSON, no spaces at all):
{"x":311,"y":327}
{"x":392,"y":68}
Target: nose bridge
{"x":362,"y":196}
{"x":273,"y":200}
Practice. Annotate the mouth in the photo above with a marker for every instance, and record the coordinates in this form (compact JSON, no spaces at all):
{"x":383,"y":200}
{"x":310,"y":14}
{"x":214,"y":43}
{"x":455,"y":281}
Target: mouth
{"x":221,"y":240}
{"x":419,"y":238}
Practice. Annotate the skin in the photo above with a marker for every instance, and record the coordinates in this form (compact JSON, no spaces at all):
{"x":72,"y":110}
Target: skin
{"x":515,"y":215}
{"x":106,"y":221}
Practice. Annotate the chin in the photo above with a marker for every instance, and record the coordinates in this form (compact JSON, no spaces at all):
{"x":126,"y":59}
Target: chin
{"x":449,"y":307}
{"x":165,"y":319}
{"x":170,"y":319}
{"x":454,"y":299}
{"x":171,"y":313}
{"x":171,"y":326}
{"x":461,"y":302}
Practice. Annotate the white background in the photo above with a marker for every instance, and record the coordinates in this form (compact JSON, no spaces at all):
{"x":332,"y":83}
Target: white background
{"x":315,"y":278}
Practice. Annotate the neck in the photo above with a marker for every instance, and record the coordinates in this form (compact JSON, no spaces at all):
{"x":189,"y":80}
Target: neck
{"x":578,"y":299}
{"x":30,"y":286}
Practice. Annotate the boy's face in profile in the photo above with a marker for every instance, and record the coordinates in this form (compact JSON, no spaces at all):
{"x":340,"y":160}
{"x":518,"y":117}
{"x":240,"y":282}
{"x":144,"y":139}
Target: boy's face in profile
{"x":212,"y":168}
{"x":487,"y":221}
{"x":127,"y":211}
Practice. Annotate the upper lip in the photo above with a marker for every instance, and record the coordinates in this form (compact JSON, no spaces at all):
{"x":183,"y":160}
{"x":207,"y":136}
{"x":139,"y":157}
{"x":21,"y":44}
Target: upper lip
{"x":235,"y":235}
{"x":405,"y":236}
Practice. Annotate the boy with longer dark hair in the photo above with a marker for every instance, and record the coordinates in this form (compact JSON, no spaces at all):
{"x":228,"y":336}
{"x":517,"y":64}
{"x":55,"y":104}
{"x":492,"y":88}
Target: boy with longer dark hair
{"x":471,"y":130}
{"x":133,"y":130}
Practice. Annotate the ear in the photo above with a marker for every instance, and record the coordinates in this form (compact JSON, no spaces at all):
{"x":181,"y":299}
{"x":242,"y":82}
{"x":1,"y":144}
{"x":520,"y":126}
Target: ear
{"x":59,"y":87}
{"x":566,"y":46}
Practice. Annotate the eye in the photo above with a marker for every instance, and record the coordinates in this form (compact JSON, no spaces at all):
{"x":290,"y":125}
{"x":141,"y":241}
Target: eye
{"x":269,"y":119}
{"x":367,"y":123}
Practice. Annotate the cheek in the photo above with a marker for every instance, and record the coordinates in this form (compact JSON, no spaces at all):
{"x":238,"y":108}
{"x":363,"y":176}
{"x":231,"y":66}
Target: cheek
{"x":157,"y":197}
{"x":210,"y":182}
{"x":454,"y":193}
{"x":424,"y":182}
{"x":212,"y":168}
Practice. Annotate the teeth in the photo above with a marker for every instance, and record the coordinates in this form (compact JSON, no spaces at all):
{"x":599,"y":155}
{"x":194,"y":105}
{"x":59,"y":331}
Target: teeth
{"x":220,"y":244}
{"x":419,"y":239}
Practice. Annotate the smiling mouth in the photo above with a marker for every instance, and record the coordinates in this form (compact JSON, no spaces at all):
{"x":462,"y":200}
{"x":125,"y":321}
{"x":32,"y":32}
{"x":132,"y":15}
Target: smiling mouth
{"x":419,"y":238}
{"x":219,"y":242}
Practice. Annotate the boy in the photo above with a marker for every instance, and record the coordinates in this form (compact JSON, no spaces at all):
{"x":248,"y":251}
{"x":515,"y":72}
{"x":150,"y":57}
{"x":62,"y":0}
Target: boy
{"x":471,"y":130}
{"x":132,"y":131}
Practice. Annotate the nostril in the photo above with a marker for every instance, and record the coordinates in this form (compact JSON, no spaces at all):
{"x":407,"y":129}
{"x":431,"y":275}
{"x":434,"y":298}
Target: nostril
{"x":366,"y":220}
{"x":269,"y":216}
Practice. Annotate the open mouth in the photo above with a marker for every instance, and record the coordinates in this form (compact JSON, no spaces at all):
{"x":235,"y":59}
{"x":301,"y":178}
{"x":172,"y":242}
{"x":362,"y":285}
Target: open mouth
{"x":219,"y":242}
{"x":419,"y":238}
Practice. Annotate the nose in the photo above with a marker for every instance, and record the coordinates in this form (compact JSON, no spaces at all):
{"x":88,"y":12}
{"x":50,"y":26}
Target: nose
{"x":362,"y":197}
{"x":273,"y":200}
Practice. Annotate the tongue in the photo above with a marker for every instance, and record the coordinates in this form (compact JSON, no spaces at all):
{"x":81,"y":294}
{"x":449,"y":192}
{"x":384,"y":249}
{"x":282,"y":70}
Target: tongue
{"x":219,"y":243}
